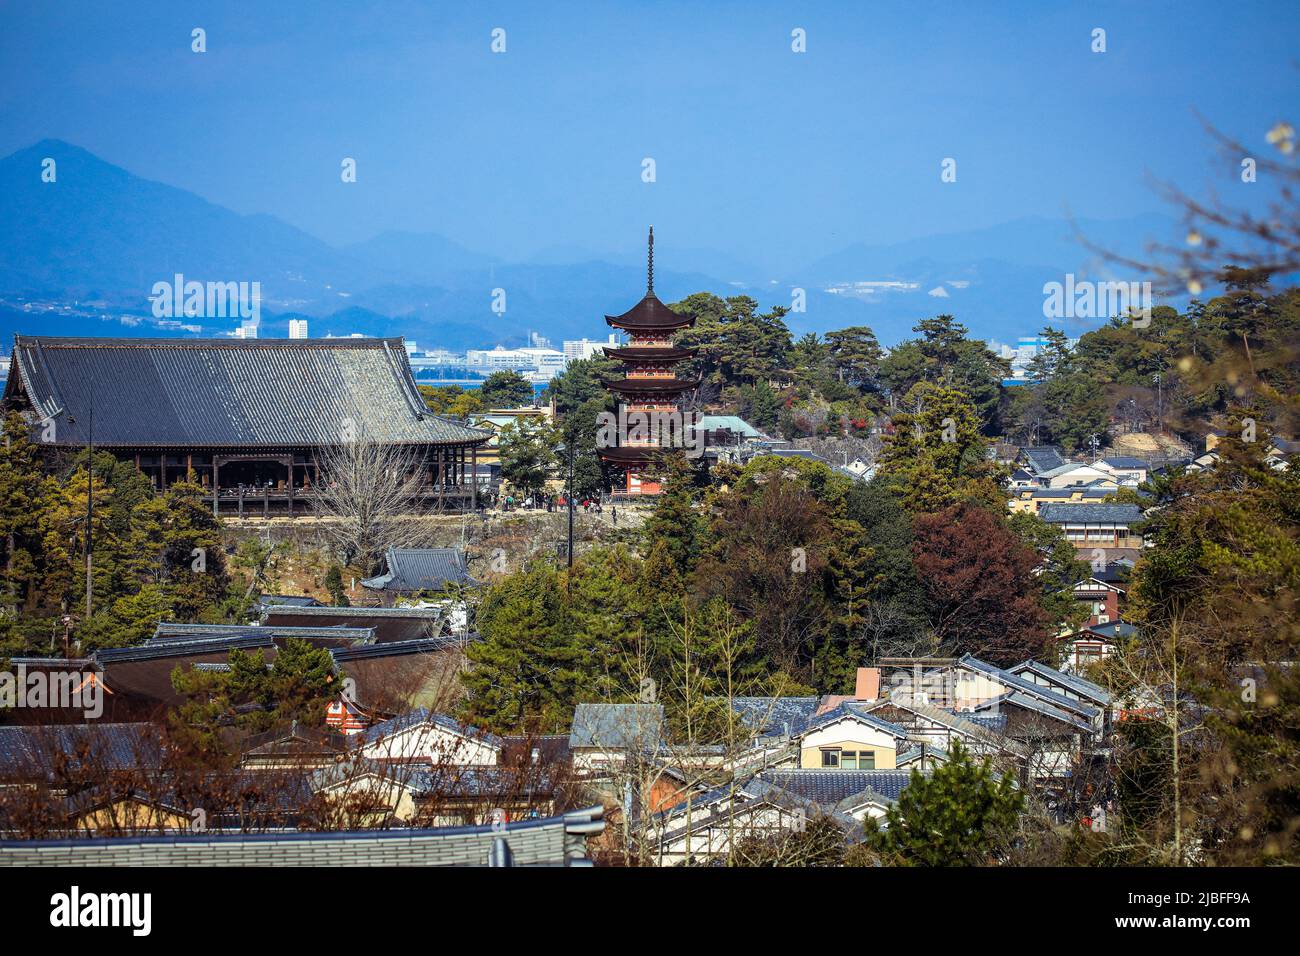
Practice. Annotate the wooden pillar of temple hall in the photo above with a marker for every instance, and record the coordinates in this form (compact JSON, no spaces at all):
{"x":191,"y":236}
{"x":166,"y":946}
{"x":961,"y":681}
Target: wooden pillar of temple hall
{"x":473,"y":477}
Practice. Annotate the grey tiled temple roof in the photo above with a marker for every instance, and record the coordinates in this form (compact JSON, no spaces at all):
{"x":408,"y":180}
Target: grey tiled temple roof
{"x":267,"y":393}
{"x":244,"y":640}
{"x":174,"y":633}
{"x":421,"y":569}
{"x":390,"y":624}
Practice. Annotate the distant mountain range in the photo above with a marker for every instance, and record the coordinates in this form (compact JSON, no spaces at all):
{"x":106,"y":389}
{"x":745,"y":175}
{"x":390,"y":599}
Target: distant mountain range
{"x":100,"y":237}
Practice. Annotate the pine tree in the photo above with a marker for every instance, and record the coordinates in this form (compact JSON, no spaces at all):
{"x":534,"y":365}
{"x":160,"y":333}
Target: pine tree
{"x":961,"y":814}
{"x":937,"y":456}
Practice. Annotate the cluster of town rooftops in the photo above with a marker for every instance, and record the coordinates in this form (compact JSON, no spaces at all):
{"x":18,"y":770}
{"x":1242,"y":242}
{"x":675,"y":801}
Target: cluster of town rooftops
{"x":413,"y":768}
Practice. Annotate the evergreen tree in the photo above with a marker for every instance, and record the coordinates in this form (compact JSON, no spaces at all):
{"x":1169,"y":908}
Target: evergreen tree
{"x":936,"y":456}
{"x":506,"y":389}
{"x":855,"y":355}
{"x":527,"y":449}
{"x":961,"y":814}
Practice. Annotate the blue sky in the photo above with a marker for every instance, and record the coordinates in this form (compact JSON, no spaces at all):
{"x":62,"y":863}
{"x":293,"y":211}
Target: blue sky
{"x":772,"y":156}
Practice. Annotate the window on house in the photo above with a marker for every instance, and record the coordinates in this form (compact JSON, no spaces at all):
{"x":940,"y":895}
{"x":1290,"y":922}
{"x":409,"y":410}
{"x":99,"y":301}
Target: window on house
{"x":830,"y":758}
{"x":1087,"y":653}
{"x":867,"y":760}
{"x":849,"y":760}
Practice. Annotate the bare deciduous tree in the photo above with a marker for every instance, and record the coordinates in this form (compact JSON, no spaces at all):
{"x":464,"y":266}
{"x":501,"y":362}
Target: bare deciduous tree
{"x":371,"y":496}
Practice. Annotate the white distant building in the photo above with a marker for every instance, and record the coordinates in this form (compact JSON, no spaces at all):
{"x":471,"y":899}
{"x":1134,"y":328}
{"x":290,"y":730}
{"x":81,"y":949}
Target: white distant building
{"x":587,"y":348}
{"x":247,"y":329}
{"x":542,"y":361}
{"x":297,"y":328}
{"x":440,"y":357}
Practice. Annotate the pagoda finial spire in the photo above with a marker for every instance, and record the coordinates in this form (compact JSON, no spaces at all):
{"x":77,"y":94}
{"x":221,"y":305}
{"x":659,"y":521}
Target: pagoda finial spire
{"x":650,"y":265}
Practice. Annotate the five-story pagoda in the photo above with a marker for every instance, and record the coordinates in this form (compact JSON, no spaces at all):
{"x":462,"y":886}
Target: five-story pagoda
{"x":651,"y":387}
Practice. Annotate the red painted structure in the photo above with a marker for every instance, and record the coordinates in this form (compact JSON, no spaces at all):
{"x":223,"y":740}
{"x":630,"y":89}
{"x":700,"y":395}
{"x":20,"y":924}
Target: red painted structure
{"x":650,"y":385}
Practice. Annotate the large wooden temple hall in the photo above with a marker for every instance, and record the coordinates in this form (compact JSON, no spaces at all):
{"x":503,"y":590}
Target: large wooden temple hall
{"x":250,"y":417}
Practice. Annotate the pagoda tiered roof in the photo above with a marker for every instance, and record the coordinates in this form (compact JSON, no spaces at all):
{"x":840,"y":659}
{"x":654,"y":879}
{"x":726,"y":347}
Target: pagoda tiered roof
{"x":651,"y":353}
{"x":653,"y":385}
{"x":650,"y":315}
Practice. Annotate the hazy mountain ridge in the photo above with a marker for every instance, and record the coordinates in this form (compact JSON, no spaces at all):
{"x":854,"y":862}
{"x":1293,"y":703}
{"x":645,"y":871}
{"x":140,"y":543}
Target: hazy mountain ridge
{"x":100,"y":235}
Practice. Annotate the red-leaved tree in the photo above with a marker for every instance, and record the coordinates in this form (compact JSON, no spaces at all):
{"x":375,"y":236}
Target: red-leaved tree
{"x":981,"y":594}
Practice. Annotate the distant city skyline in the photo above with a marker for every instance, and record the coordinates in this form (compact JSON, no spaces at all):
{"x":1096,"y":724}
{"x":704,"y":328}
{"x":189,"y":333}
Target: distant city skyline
{"x":762,"y":154}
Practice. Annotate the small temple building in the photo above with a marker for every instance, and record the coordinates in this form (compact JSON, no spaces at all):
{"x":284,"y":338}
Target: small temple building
{"x":250,"y":418}
{"x":650,"y":386}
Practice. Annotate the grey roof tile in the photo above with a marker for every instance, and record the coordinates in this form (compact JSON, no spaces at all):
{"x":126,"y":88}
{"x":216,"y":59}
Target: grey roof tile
{"x":827,"y":788}
{"x":227,"y":392}
{"x":1090,"y":514}
{"x":422,"y":569}
{"x":617,"y":726}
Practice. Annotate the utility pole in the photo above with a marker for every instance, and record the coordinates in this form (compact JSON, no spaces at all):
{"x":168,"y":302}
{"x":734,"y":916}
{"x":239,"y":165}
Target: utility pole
{"x":1160,"y":403}
{"x":90,"y":510}
{"x":568,"y":497}
{"x":90,"y":506}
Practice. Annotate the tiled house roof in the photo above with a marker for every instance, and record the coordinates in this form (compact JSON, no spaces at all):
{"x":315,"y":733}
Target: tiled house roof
{"x":1014,"y":682}
{"x":776,"y":716}
{"x":1054,"y":513}
{"x":1084,"y":688}
{"x":617,"y":726}
{"x":828,"y":788}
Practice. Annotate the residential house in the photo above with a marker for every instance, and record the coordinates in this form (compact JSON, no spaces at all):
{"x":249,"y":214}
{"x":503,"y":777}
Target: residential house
{"x":298,"y":748}
{"x":1032,"y":498}
{"x":849,"y":737}
{"x":1074,"y":474}
{"x":1094,"y":642}
{"x":1072,"y":686}
{"x":933,"y":730}
{"x":603,"y":735}
{"x":1103,"y":599}
{"x":1126,"y":470}
{"x":1092,"y":527}
{"x":429,"y":737}
{"x":1038,"y":459}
